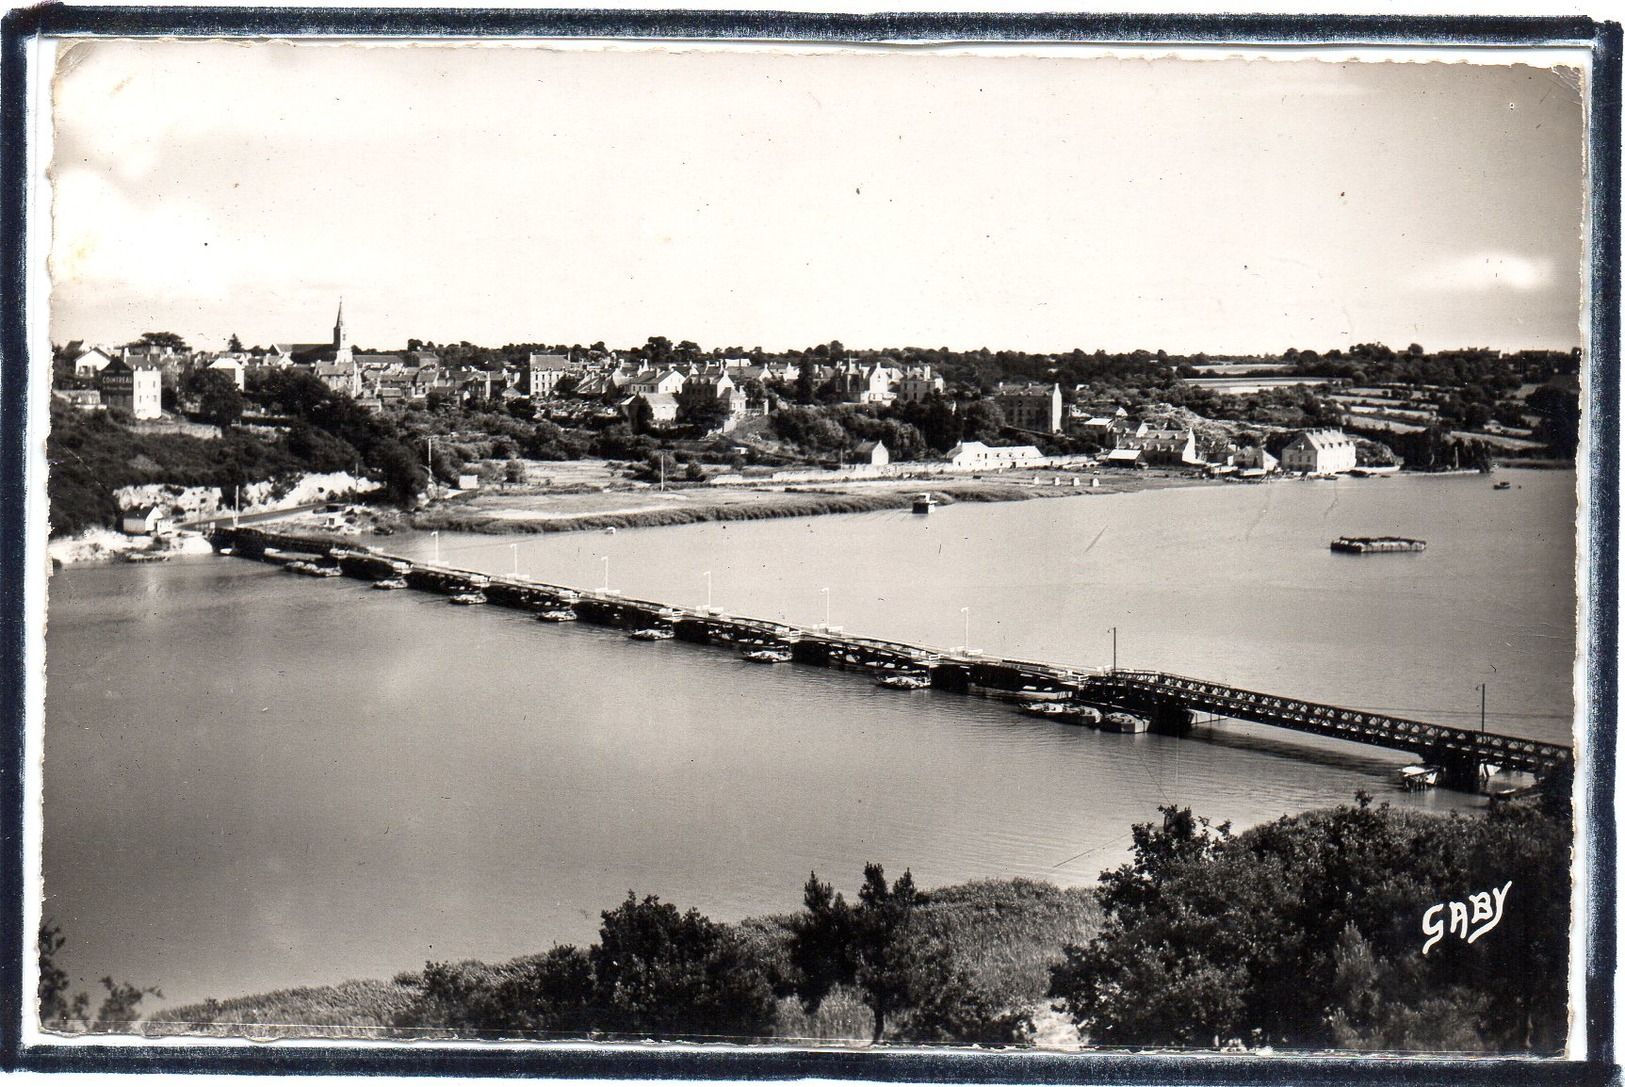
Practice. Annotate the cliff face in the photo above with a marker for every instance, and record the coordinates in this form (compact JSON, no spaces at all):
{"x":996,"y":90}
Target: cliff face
{"x":188,"y":503}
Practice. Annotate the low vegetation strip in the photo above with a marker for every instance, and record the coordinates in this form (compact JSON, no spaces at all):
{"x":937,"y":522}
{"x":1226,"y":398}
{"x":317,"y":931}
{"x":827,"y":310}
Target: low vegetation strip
{"x":765,"y":505}
{"x":965,"y":962}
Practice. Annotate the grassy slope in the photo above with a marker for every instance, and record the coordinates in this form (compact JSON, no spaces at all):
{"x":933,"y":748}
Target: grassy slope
{"x":1006,"y":933}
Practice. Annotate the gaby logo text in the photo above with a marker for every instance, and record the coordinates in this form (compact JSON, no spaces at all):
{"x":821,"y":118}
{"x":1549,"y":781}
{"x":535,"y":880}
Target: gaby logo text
{"x":1469,"y":920}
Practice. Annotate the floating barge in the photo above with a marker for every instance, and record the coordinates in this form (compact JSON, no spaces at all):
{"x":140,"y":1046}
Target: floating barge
{"x":1377,"y":545}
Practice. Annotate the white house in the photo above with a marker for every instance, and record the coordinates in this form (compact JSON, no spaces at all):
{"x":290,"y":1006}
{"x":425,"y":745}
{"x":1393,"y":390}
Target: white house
{"x":543,"y":373}
{"x":1319,"y":452}
{"x":978,"y":455}
{"x":1256,"y":458}
{"x":141,"y":521}
{"x":229,"y":364}
{"x":872,"y":453}
{"x":918,"y":383}
{"x":653,"y":382}
{"x":90,"y":362}
{"x":662,"y":406}
{"x":1171,"y":446}
{"x":137,"y":388}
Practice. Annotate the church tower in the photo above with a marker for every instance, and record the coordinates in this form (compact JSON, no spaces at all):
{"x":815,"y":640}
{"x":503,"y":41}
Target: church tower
{"x":341,"y":349}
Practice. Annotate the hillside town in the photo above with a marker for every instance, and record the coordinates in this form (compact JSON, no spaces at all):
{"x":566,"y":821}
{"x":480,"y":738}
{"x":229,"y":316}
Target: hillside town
{"x":677,"y":414}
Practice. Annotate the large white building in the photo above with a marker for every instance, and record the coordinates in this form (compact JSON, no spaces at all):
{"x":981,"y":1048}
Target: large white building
{"x":1319,"y":452}
{"x":978,"y":455}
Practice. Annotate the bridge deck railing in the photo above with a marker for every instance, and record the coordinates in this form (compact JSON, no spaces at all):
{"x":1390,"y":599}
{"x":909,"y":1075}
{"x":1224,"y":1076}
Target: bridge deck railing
{"x":1410,"y":735}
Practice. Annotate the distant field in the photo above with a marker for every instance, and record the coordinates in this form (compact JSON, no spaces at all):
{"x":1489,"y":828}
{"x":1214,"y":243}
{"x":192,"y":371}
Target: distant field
{"x":1243,"y":386}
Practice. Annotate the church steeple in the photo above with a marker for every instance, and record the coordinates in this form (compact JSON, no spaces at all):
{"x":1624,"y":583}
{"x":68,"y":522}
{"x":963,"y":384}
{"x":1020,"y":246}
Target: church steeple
{"x":341,"y":346}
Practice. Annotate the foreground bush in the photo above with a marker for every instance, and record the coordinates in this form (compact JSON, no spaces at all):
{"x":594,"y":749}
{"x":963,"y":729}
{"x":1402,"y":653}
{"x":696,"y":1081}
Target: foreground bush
{"x":655,"y":973}
{"x":1307,"y":932}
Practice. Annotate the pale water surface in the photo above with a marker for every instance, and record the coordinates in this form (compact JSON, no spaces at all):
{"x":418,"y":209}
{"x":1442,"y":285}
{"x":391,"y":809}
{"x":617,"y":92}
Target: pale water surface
{"x":255,"y":780}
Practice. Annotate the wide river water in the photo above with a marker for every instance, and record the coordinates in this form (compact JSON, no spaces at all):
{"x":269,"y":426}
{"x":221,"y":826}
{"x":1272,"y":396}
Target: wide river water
{"x":256,"y":781}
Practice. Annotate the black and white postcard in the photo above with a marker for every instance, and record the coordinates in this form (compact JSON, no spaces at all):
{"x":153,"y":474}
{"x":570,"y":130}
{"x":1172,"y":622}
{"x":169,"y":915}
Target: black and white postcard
{"x":814,"y":543}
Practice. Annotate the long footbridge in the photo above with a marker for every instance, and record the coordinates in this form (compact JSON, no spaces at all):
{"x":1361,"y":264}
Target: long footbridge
{"x":1167,"y":703}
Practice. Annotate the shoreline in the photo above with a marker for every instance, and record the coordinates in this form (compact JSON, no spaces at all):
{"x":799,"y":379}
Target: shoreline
{"x":549,"y":510}
{"x":528,"y":515}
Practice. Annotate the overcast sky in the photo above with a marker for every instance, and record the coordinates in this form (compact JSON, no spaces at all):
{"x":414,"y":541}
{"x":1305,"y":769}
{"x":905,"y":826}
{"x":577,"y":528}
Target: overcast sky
{"x":885,"y":198}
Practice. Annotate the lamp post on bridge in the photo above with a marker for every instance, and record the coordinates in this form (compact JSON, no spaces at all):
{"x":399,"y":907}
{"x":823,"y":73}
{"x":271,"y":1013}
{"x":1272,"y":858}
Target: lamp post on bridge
{"x":436,"y":535}
{"x":825,"y":591}
{"x":515,"y":549}
{"x":1114,"y":649}
{"x":1483,"y":702}
{"x":708,"y":590}
{"x":965,"y":611}
{"x":605,"y":559}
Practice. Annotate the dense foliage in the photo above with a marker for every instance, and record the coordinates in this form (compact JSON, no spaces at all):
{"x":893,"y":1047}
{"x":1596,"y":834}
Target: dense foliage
{"x":655,"y":973}
{"x":1306,"y":932}
{"x":93,"y":455}
{"x":963,"y":965}
{"x":62,"y":1009}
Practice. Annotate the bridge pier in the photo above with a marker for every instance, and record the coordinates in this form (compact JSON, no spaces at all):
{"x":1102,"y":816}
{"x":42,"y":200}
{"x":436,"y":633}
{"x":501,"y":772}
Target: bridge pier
{"x":1463,"y":772}
{"x":1171,"y":718}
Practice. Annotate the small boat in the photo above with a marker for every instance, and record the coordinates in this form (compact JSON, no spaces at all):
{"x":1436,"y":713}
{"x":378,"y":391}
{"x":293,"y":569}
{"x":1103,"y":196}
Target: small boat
{"x":1418,"y":777}
{"x":227,"y":551}
{"x":390,"y":583}
{"x":1503,"y":485}
{"x":924,"y":502}
{"x":317,"y":570}
{"x":1377,"y":545}
{"x":767,"y":654}
{"x":556,"y":615}
{"x":472,"y":597}
{"x":297,"y":566}
{"x":1027,"y":693}
{"x":1069,"y":713}
{"x":146,"y":556}
{"x":1044,"y":709}
{"x":653,"y":634}
{"x":1123,"y":722}
{"x":905,"y":681}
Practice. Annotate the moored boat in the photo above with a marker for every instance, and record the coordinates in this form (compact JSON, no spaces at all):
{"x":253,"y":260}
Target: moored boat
{"x":1377,"y":545}
{"x":471,"y":597}
{"x":767,"y":654}
{"x":146,"y":556}
{"x":1069,"y":713}
{"x":1420,"y":776}
{"x":1503,"y":485}
{"x":1027,"y":693}
{"x":1117,"y":721}
{"x":556,"y":615}
{"x":390,"y":583}
{"x":653,"y":634}
{"x":905,"y":681}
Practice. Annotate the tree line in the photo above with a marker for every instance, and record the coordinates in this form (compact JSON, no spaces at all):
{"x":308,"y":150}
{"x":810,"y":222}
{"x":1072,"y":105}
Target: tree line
{"x":1302,"y":933}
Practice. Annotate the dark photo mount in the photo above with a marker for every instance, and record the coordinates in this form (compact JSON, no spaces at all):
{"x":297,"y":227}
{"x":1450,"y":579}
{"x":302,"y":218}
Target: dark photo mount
{"x":21,"y":540}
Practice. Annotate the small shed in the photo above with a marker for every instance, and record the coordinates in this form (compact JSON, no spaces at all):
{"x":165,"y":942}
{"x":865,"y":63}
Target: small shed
{"x":874,"y":453}
{"x":1122,"y":458}
{"x":141,"y":521}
